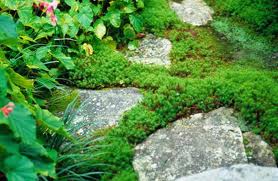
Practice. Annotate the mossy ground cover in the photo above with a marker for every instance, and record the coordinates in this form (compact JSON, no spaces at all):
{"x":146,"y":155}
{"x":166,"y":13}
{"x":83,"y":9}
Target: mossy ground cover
{"x":202,"y":77}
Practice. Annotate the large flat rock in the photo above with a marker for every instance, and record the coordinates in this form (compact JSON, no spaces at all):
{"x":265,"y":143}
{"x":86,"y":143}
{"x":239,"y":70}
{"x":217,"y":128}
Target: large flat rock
{"x":241,"y":172}
{"x":195,"y":12}
{"x":190,"y":146}
{"x":152,"y":50}
{"x":104,"y":108}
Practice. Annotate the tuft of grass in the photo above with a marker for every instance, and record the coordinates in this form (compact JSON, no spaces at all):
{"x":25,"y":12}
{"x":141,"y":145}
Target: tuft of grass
{"x":61,"y":98}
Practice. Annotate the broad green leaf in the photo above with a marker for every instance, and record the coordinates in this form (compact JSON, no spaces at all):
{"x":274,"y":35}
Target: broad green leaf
{"x":34,"y":63}
{"x":115,"y":18}
{"x":25,"y":14}
{"x":8,"y":33}
{"x":66,"y":61}
{"x":99,"y":29}
{"x":16,"y":93}
{"x":85,"y":16}
{"x":133,"y":45}
{"x":45,"y":167}
{"x":140,"y":4}
{"x":51,"y":122}
{"x":47,"y":30}
{"x":26,"y":39}
{"x":72,"y":3}
{"x":33,"y":150}
{"x":3,"y":83}
{"x":32,"y":59}
{"x":3,"y":119}
{"x":43,"y":159}
{"x":97,"y":9}
{"x":46,"y":82}
{"x":16,"y":4}
{"x":110,"y":42}
{"x":129,"y":32}
{"x":42,"y":52}
{"x":20,"y":81}
{"x":22,"y":124}
{"x":7,"y":141}
{"x":19,"y":168}
{"x":129,"y":8}
{"x":65,"y":22}
{"x":48,"y":120}
{"x":136,"y":23}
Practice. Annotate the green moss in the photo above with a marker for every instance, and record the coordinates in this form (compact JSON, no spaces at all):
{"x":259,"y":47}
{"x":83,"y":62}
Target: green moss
{"x":157,"y":16}
{"x":199,"y":80}
{"x":261,"y":15}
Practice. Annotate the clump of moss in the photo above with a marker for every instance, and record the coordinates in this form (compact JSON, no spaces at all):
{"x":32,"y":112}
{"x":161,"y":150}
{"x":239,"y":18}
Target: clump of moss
{"x":157,"y":16}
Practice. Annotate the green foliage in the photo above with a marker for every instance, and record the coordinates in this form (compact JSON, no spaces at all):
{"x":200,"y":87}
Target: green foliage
{"x":260,"y":14}
{"x":21,"y":129}
{"x":157,"y":16}
{"x":208,"y":85}
{"x":60,"y":99}
{"x":191,"y":43}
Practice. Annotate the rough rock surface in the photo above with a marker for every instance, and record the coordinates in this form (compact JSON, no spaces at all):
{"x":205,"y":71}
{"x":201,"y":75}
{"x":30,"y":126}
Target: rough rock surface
{"x":195,"y":12}
{"x":190,"y":146}
{"x":241,"y":172}
{"x":258,"y":151}
{"x":152,"y":50}
{"x":104,"y":108}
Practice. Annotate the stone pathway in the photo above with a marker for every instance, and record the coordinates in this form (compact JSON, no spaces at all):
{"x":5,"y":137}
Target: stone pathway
{"x":152,"y":50}
{"x":195,"y":12}
{"x":190,"y":146}
{"x":242,"y":172}
{"x":104,"y":108}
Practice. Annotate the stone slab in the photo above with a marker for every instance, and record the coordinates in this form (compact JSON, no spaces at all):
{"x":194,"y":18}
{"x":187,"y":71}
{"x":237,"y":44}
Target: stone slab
{"x":152,"y":50}
{"x":195,"y":12}
{"x":190,"y":146}
{"x":104,"y":108}
{"x":241,"y":172}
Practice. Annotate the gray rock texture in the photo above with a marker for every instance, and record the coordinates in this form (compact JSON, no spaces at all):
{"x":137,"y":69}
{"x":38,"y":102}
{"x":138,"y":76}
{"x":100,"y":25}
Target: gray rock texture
{"x":195,"y":12}
{"x":190,"y":146}
{"x":104,"y":108}
{"x":241,"y":172}
{"x":258,"y":151}
{"x":152,"y":50}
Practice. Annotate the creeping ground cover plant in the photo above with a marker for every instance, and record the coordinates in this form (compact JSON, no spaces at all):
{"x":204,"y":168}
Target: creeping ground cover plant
{"x":39,"y":41}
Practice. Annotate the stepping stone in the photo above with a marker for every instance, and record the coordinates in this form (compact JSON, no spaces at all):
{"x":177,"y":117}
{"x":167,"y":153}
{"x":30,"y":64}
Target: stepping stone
{"x":195,"y":12}
{"x":241,"y":172}
{"x":190,"y":146}
{"x":258,"y":151}
{"x":104,"y":108}
{"x":152,"y":50}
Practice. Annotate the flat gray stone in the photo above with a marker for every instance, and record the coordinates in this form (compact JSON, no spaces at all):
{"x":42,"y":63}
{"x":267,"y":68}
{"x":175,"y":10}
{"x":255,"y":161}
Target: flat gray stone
{"x":258,"y":151}
{"x":241,"y":172}
{"x":190,"y":146}
{"x":195,"y":12}
{"x":152,"y":50}
{"x":104,"y":108}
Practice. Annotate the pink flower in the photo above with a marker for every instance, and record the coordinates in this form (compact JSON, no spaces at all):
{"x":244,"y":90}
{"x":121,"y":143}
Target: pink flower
{"x":53,"y":19}
{"x":8,"y":109}
{"x":49,"y":9}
